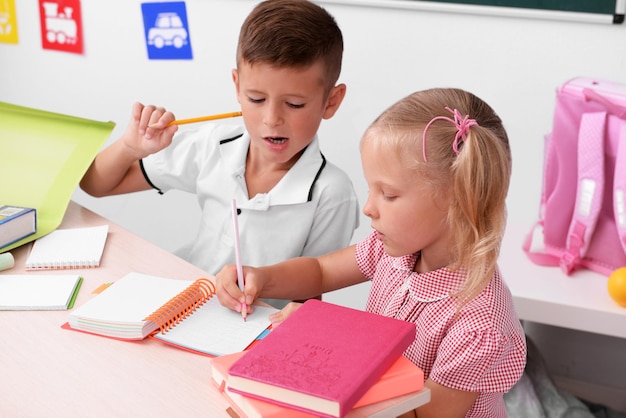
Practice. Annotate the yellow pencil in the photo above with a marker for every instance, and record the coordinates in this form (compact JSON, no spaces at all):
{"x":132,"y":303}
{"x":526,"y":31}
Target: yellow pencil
{"x":200,"y":119}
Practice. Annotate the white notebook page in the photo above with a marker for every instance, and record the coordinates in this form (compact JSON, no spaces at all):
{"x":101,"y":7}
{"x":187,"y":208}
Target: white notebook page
{"x":131,"y":299}
{"x":216,"y":330}
{"x":68,"y":248}
{"x":36,"y":292}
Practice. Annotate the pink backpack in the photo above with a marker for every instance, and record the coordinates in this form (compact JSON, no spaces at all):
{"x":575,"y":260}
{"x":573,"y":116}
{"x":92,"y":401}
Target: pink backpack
{"x":582,"y":220}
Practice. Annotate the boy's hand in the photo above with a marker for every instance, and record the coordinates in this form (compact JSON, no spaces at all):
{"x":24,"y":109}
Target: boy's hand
{"x":144,"y":140}
{"x":277,"y":318}
{"x":228,"y":291}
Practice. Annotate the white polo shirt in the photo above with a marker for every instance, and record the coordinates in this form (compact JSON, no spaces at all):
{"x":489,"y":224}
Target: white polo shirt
{"x":313,"y":210}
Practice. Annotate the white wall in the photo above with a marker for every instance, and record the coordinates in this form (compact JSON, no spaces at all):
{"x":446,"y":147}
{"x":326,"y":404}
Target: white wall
{"x":514,"y":64}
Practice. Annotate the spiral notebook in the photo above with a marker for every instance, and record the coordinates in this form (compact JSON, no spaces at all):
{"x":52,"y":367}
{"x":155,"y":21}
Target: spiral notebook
{"x":68,"y":249}
{"x":182,"y":313}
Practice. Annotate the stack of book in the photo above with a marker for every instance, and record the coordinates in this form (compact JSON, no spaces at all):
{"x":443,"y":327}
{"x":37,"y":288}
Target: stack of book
{"x":16,"y":222}
{"x":324,"y":360}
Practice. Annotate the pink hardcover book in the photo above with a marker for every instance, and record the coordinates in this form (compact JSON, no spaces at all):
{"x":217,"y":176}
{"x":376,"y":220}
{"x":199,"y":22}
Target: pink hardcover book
{"x":403,"y":377}
{"x":322,"y":359}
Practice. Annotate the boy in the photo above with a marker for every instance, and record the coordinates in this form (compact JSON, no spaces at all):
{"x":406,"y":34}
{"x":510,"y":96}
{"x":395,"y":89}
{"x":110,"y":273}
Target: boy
{"x":290,"y":200}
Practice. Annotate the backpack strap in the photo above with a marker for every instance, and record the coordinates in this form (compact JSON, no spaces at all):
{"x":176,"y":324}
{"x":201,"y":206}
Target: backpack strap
{"x":534,"y":243}
{"x":590,"y":189}
{"x":619,"y":188}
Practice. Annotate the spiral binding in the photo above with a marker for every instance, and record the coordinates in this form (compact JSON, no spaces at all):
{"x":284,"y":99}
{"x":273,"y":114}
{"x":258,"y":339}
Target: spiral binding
{"x":62,"y":265}
{"x":182,"y":305}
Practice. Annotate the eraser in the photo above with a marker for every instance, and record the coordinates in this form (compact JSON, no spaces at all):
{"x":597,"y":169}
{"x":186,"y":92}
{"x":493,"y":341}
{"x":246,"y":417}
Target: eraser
{"x":6,"y":261}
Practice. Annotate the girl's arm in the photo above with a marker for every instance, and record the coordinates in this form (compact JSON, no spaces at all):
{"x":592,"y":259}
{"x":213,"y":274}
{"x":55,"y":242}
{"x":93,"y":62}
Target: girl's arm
{"x":446,"y":402}
{"x":116,"y":169}
{"x":297,"y":278}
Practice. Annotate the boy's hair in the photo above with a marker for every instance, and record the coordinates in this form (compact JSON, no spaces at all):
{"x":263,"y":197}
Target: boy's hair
{"x":475,"y":181}
{"x":292,"y":33}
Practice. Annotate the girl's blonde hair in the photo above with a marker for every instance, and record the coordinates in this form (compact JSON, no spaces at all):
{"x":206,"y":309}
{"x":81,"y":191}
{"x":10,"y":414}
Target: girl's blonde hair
{"x":475,"y":182}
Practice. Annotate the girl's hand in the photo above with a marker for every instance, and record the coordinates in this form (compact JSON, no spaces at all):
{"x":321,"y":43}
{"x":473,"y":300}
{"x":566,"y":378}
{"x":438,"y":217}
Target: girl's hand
{"x":228,"y":291}
{"x":277,"y":318}
{"x":143,"y":140}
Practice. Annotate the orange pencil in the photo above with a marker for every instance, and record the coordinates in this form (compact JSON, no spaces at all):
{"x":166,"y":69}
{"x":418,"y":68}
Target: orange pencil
{"x":200,"y":119}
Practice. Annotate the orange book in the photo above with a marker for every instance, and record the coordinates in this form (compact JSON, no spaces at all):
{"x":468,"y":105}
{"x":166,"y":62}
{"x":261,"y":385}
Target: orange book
{"x":401,"y":378}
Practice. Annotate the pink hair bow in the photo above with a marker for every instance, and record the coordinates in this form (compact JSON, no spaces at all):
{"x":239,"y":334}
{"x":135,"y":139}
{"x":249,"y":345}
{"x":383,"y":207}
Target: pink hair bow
{"x":463,"y":125}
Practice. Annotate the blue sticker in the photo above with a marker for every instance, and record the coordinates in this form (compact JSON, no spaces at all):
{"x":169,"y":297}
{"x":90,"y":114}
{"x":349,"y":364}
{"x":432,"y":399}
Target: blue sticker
{"x":167,"y":30}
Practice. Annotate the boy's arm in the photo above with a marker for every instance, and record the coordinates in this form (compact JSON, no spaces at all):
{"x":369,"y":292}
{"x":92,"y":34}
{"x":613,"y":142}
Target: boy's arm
{"x":116,"y":169}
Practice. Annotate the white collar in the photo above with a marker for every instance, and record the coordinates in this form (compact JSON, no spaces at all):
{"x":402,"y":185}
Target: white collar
{"x":294,"y":188}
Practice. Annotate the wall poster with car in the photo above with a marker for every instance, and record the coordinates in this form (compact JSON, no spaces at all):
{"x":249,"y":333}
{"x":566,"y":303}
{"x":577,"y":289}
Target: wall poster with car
{"x":166,"y":30}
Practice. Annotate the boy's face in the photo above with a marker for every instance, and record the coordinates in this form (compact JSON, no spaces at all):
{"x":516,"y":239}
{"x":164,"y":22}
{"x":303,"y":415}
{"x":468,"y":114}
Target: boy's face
{"x":283,"y":108}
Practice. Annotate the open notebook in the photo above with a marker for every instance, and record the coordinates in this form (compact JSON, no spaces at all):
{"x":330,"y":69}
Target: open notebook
{"x":182,"y":313}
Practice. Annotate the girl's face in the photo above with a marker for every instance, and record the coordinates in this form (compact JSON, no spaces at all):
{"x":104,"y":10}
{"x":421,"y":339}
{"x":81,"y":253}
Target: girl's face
{"x":402,"y":208}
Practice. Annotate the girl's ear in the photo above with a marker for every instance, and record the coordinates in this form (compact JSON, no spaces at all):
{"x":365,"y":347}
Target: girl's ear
{"x":335,"y":97}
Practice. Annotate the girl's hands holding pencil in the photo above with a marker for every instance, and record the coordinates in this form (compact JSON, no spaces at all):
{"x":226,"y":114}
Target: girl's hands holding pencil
{"x":149,"y":130}
{"x":228,"y":291}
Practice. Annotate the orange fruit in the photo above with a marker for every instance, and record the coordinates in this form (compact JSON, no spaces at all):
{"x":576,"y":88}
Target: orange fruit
{"x":617,"y":286}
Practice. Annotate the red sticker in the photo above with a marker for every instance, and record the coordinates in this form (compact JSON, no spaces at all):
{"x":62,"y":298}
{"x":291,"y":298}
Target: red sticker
{"x":61,"y":25}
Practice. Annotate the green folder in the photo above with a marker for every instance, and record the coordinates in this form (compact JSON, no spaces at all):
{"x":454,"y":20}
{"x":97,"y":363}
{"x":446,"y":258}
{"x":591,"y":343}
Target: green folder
{"x":43,"y":156}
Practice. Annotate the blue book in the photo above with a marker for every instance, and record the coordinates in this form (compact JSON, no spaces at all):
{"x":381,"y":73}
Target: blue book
{"x":16,"y":223}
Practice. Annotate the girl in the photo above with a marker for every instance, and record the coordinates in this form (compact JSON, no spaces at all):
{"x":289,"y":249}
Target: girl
{"x":437,"y":164}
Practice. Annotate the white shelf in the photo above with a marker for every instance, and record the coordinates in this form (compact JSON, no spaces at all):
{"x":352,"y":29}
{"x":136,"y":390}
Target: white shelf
{"x":547,"y":295}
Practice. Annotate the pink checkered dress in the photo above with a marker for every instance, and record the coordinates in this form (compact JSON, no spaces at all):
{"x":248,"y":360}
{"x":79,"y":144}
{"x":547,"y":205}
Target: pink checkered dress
{"x":482,"y":349}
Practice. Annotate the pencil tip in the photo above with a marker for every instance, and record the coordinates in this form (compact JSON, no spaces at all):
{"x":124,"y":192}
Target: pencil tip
{"x":244,"y":311}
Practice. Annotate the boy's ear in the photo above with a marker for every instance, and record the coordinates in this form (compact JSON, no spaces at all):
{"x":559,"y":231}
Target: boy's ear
{"x":335,"y":97}
{"x":235,"y":76}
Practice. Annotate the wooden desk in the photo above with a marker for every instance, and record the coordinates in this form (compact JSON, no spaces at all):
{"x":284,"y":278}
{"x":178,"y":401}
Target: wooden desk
{"x":546,"y":295}
{"x":48,"y":371}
